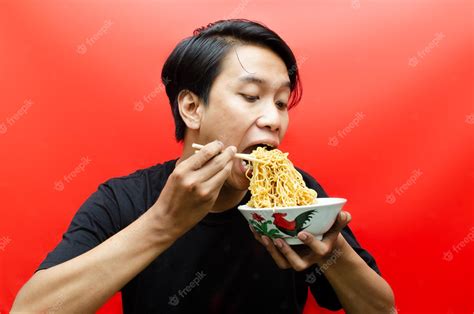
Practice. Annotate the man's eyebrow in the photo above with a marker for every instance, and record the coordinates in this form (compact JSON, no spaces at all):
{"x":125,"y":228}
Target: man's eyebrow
{"x":257,"y":80}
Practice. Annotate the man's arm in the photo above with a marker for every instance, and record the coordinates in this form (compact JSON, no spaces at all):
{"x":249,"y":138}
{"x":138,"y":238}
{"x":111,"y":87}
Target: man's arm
{"x":84,"y":283}
{"x":358,"y":287}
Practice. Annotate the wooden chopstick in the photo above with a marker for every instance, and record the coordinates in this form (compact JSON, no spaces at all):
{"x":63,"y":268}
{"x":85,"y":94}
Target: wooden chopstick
{"x":238,"y":155}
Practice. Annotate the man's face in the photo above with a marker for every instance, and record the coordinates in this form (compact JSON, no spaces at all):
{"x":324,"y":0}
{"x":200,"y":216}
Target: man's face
{"x":247,"y":105}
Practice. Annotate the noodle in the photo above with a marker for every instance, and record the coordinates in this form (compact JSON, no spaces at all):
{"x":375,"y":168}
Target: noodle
{"x":275,"y":182}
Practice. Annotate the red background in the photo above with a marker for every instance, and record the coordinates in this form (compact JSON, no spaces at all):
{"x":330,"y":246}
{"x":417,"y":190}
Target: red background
{"x":418,"y":115}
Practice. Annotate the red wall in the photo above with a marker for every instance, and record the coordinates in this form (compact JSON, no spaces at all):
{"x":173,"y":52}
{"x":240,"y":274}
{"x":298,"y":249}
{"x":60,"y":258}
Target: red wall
{"x":404,"y":66}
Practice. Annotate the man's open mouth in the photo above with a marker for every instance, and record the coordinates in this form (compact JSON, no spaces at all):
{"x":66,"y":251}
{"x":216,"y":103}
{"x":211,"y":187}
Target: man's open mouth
{"x":251,"y":148}
{"x":246,"y":165}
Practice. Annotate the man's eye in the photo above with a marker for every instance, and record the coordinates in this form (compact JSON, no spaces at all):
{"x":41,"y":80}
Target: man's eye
{"x":281,"y":105}
{"x":250,"y":98}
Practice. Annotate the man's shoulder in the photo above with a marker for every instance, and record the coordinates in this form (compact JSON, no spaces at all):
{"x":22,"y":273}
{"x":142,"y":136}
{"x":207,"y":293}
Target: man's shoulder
{"x":138,"y":189}
{"x":156,"y":172}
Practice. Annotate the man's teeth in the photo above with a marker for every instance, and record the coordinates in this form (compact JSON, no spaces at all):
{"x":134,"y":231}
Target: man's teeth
{"x":246,"y":164}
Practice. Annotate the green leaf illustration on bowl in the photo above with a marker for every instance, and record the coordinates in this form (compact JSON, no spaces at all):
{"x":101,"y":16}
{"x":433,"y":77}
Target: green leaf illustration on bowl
{"x":293,"y":227}
{"x":262,"y":226}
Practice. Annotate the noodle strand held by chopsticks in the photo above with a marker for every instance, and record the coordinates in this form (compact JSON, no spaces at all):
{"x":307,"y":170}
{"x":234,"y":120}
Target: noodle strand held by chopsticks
{"x":276,"y":183}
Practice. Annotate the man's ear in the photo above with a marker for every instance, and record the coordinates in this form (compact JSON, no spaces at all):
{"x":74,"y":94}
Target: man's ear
{"x":190,"y":108}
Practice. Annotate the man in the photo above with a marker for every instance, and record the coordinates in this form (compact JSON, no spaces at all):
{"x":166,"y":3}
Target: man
{"x":170,"y":237}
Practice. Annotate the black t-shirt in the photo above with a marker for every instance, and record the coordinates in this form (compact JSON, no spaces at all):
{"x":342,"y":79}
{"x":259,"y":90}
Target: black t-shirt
{"x":216,"y":267}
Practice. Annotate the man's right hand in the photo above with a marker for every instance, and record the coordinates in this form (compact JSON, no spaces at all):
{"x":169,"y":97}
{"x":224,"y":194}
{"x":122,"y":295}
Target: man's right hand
{"x":193,"y":187}
{"x":188,"y":195}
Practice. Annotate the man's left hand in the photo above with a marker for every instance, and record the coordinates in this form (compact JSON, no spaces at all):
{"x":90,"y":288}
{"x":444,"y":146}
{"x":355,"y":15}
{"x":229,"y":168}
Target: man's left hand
{"x":313,"y":251}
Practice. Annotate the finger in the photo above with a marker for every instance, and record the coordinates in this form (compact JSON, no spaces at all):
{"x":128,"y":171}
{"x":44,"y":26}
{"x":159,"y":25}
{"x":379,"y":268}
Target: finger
{"x":256,"y":235}
{"x":215,"y":182}
{"x":305,"y":252}
{"x":341,"y":221}
{"x":279,"y":259}
{"x":291,"y":256}
{"x":268,"y":244}
{"x":317,"y":246}
{"x":196,"y":161}
{"x":216,"y":164}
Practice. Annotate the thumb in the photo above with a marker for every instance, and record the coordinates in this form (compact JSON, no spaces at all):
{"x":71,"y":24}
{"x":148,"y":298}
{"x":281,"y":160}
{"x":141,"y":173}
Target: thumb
{"x":342,"y":220}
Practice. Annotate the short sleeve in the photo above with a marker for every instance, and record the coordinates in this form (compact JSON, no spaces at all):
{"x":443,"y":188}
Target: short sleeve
{"x":96,"y":220}
{"x":319,"y":286}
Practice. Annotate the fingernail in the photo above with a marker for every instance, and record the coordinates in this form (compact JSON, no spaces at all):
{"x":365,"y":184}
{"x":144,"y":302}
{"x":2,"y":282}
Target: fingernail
{"x":277,"y":243}
{"x":234,"y":149}
{"x":343,"y":216}
{"x":303,"y":237}
{"x":265,"y":241}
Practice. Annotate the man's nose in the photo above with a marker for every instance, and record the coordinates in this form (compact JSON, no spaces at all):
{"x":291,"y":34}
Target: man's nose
{"x":270,"y":118}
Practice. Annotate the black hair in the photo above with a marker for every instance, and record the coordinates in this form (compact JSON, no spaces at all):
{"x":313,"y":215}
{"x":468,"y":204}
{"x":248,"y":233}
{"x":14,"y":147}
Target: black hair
{"x":196,"y":61}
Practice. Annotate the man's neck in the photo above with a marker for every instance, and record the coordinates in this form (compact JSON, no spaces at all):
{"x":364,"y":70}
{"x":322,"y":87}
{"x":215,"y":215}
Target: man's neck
{"x":228,"y":198}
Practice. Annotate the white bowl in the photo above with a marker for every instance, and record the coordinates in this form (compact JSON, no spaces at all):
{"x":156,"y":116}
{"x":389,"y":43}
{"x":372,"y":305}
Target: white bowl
{"x":287,"y":222}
